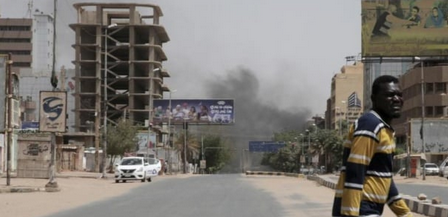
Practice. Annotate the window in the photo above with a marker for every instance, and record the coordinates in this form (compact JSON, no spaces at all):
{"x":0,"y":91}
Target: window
{"x":429,"y":88}
{"x":439,"y":110}
{"x":440,"y":87}
{"x":429,"y":112}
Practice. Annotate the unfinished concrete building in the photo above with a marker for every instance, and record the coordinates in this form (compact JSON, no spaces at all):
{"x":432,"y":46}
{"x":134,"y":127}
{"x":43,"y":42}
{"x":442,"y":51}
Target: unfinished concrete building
{"x":118,"y":64}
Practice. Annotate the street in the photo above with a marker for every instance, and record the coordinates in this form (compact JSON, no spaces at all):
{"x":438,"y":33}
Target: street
{"x":179,"y":195}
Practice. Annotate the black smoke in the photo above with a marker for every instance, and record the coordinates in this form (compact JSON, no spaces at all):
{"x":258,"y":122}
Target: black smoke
{"x":257,"y":116}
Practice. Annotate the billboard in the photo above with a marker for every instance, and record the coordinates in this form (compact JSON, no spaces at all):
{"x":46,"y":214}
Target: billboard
{"x":52,"y":111}
{"x":194,"y":111}
{"x":404,"y":28}
{"x":265,"y":146}
{"x":434,"y":132}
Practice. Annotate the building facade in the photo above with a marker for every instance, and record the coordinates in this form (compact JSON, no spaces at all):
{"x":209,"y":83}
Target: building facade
{"x":346,"y":95}
{"x":374,"y":68}
{"x":434,"y":104}
{"x":118,"y":65}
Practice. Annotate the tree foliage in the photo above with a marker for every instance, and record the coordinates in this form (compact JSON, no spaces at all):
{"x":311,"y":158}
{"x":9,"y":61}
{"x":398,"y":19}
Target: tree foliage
{"x":328,"y":144}
{"x":121,"y":138}
{"x":216,"y":152}
{"x":190,"y":143}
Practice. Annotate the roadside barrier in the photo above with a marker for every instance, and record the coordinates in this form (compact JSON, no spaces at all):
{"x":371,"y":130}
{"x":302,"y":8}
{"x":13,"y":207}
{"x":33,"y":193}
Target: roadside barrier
{"x":424,"y":207}
{"x":269,"y":173}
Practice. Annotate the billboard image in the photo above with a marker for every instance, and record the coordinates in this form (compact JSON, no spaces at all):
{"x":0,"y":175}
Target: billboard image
{"x":404,"y":28}
{"x":194,"y":111}
{"x":53,"y":111}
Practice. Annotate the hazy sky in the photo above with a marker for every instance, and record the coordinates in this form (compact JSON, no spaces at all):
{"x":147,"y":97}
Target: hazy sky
{"x":293,"y":47}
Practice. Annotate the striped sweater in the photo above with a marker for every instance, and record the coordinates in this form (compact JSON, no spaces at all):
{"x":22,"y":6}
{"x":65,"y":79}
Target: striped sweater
{"x":365,"y":184}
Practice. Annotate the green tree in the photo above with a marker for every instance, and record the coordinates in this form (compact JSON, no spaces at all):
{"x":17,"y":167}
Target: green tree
{"x":329,"y":145}
{"x":121,"y":138}
{"x":216,"y":152}
{"x":192,"y":145}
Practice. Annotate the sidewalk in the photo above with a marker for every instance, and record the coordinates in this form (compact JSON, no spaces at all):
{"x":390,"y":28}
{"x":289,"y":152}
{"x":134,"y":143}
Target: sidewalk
{"x":26,"y":185}
{"x":417,"y":206}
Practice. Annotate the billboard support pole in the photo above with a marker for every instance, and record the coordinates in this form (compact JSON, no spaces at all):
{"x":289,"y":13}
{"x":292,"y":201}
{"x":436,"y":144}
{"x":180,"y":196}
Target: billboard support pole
{"x":9,"y":137}
{"x":423,"y":114}
{"x":52,"y":183}
{"x":185,"y":146}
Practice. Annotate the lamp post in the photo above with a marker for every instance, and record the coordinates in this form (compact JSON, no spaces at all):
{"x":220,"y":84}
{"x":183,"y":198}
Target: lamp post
{"x":339,"y":120}
{"x":150,"y":109}
{"x":105,"y":100}
{"x":345,"y":111}
{"x":309,"y":143}
{"x":422,"y":78}
{"x":169,"y":130}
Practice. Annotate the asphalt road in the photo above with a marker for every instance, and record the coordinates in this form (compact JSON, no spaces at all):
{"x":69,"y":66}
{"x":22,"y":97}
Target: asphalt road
{"x":217,"y":196}
{"x":430,"y":191}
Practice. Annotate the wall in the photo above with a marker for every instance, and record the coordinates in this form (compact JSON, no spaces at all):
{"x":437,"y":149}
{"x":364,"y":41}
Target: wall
{"x":33,"y":155}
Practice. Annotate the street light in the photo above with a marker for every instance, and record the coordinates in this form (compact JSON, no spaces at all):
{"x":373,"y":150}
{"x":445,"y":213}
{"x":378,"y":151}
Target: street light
{"x":422,"y":78}
{"x":345,"y":110}
{"x":339,"y":119}
{"x":309,"y":143}
{"x":169,"y":129}
{"x":150,"y":109}
{"x":105,"y":99}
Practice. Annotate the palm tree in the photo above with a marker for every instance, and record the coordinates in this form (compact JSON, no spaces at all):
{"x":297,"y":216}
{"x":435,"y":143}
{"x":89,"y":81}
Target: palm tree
{"x":192,"y":146}
{"x":327,"y":144}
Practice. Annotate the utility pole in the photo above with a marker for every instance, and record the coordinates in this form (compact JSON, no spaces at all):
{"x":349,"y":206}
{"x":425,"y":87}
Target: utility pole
{"x":54,"y":82}
{"x":185,"y":145}
{"x":423,"y":116}
{"x":104,"y":160}
{"x":9,"y":135}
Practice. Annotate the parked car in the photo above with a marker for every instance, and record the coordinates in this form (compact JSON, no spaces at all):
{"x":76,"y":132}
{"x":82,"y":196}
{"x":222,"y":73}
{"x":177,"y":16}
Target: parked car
{"x":445,"y":172}
{"x":431,"y":169}
{"x":137,"y":168}
{"x":442,"y":167}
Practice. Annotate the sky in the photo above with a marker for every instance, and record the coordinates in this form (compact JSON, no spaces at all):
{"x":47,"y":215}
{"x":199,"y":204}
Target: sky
{"x":291,"y":47}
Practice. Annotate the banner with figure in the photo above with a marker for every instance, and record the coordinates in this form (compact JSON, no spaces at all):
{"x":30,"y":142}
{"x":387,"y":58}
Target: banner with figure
{"x":194,"y":111}
{"x":405,"y":28}
{"x":52,"y":111}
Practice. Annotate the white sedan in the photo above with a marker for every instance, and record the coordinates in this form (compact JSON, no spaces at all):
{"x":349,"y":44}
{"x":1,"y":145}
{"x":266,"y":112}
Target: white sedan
{"x":137,"y":168}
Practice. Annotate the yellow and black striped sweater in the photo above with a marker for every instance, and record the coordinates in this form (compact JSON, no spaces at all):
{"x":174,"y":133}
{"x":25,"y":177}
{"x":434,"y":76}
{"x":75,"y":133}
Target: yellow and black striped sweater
{"x":365,"y":184}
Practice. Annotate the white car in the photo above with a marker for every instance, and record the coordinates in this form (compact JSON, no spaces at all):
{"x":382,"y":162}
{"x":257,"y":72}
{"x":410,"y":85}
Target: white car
{"x":137,"y":168}
{"x":431,"y":169}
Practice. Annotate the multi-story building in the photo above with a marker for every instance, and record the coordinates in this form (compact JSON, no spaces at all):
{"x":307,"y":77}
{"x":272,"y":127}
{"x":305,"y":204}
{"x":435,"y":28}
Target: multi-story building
{"x":30,"y":41}
{"x":118,"y":64}
{"x":16,"y":35}
{"x":346,"y":95}
{"x":435,"y":80}
{"x":374,"y":68}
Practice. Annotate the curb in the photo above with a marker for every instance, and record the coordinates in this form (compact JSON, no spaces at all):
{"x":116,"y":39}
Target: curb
{"x":414,"y":204}
{"x":21,"y":190}
{"x":275,"y":174}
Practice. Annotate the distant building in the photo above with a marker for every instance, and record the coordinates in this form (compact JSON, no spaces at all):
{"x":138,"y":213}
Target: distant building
{"x":373,"y":69}
{"x":346,"y":99}
{"x":435,"y":100}
{"x":30,"y":43}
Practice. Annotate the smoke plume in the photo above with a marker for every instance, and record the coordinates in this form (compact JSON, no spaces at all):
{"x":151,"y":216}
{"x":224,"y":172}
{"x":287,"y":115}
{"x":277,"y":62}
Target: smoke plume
{"x":255,"y":120}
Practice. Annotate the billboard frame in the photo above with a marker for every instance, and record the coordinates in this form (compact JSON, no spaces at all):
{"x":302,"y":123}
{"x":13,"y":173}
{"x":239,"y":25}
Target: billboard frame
{"x":389,"y":30}
{"x":216,"y":112}
{"x":47,"y":122}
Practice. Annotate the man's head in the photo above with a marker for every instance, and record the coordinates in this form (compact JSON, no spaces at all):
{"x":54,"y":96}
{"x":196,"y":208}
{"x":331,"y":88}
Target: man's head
{"x":387,"y":97}
{"x":435,"y":11}
{"x":415,"y":10}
